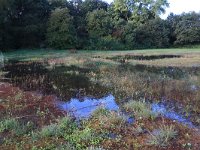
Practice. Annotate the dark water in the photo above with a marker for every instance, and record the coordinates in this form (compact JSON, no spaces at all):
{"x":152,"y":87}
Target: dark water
{"x":165,"y":72}
{"x":142,"y":57}
{"x":168,"y":71}
{"x":63,"y":81}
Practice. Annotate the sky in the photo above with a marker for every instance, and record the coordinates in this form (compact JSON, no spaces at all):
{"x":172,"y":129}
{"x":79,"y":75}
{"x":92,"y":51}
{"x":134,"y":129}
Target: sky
{"x":179,"y":6}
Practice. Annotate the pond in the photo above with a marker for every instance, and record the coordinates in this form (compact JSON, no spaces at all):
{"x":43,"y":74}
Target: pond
{"x":80,"y":97}
{"x":63,"y":81}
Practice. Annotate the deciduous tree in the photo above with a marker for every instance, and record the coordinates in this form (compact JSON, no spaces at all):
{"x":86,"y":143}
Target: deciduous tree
{"x":61,"y":31}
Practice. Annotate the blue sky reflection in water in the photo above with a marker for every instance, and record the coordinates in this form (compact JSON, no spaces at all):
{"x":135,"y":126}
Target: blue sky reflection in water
{"x":83,"y":108}
{"x":170,"y":114}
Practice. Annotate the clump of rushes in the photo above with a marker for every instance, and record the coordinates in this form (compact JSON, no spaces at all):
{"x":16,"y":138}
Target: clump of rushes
{"x":108,"y":119}
{"x":162,"y":136}
{"x":140,"y":110}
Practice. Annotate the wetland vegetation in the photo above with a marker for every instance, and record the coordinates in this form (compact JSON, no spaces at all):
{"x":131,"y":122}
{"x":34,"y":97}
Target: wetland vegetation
{"x":91,"y":100}
{"x":88,"y":75}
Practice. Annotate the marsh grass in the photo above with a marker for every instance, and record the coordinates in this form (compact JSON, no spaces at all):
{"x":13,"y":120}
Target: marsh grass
{"x":109,"y":119}
{"x":122,"y":79}
{"x":64,"y":126}
{"x":14,"y":126}
{"x":50,"y":130}
{"x":94,"y":148}
{"x":141,"y":110}
{"x":186,"y":60}
{"x":124,"y":82}
{"x":67,"y":125}
{"x":162,"y":136}
{"x":82,"y":138}
{"x":66,"y":146}
{"x":1,"y":73}
{"x":67,"y":129}
{"x":9,"y":124}
{"x":101,"y":111}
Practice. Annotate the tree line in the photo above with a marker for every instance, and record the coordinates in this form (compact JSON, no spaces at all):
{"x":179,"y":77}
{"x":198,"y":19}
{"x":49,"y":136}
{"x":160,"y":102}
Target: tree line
{"x":94,"y":24}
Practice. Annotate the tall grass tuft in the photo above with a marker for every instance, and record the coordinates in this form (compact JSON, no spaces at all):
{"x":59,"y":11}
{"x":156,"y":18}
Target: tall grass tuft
{"x":108,"y":119}
{"x":14,"y":126}
{"x":162,"y":136}
{"x":50,"y":130}
{"x":9,"y":124}
{"x":140,"y":109}
{"x":64,"y":126}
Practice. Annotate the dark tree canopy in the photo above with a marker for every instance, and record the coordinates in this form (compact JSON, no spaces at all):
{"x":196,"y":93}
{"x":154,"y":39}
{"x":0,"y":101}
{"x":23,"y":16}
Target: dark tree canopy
{"x":99,"y":23}
{"x":25,"y":23}
{"x":61,"y":31}
{"x":94,"y":24}
{"x":187,"y":29}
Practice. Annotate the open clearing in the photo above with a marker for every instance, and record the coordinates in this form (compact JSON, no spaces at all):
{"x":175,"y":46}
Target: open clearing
{"x":142,"y":99}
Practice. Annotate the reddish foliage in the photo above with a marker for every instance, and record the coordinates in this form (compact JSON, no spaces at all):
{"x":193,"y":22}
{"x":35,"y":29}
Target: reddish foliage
{"x":2,"y":107}
{"x":30,"y":106}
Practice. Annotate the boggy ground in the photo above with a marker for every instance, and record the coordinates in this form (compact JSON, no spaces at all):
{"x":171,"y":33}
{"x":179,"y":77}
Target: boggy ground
{"x":36,"y":115}
{"x":23,"y":112}
{"x":30,"y":118}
